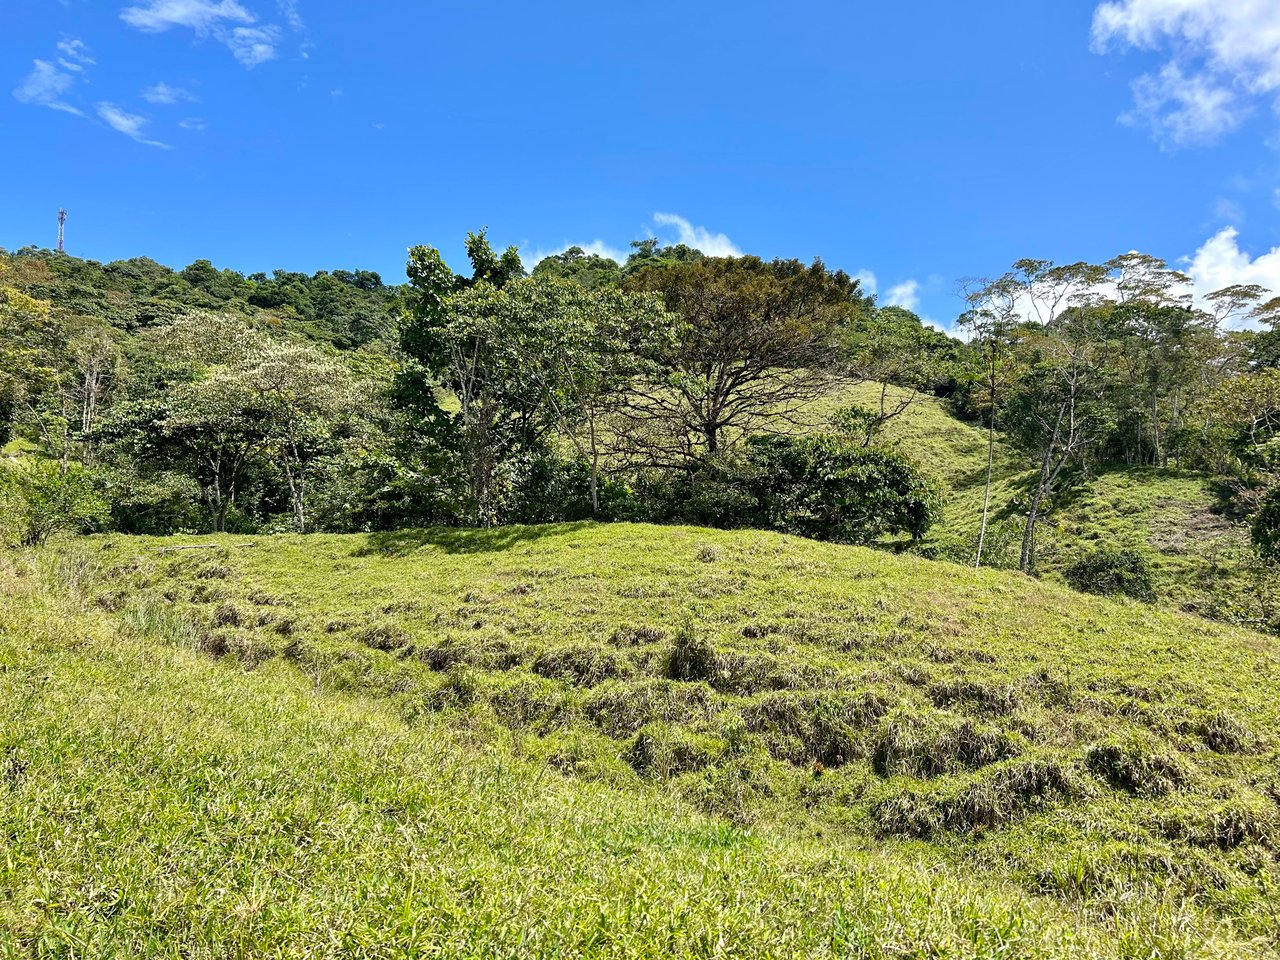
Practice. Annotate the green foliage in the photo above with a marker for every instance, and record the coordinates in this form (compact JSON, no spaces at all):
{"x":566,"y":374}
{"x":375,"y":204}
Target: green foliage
{"x":588,"y":269}
{"x":822,"y":486}
{"x":1265,"y":529}
{"x":1110,"y":572}
{"x":39,"y":498}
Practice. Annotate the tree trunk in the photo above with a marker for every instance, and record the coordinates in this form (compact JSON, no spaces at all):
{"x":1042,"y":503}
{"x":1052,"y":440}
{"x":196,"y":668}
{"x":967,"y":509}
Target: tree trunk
{"x":1027,"y":561}
{"x":595,"y":468}
{"x":991,"y":447}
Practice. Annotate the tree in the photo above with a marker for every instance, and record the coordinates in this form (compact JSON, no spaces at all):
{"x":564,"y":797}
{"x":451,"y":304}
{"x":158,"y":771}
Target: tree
{"x":307,"y":400}
{"x":891,"y":347}
{"x":521,"y":358}
{"x":757,"y":341}
{"x":32,"y":340}
{"x":1053,"y":408}
{"x":584,"y":348}
{"x":588,"y":269}
{"x":991,"y":316}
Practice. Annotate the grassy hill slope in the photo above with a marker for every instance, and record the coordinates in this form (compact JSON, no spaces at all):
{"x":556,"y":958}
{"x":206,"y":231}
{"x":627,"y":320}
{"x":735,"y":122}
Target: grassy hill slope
{"x":850,"y":719}
{"x":1173,"y":517}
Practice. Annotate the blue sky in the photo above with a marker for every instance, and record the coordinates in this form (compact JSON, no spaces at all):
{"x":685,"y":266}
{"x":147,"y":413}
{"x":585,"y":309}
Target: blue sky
{"x":919,"y":142}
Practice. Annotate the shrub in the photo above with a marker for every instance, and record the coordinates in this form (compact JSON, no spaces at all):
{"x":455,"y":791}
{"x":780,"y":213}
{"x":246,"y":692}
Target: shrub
{"x":824,"y":487}
{"x":38,"y":499}
{"x":1265,"y":529}
{"x":1108,"y":572}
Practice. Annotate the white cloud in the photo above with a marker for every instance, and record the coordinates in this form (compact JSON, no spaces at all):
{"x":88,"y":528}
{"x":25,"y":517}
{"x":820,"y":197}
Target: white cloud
{"x":195,"y":124}
{"x":905,"y":295}
{"x":1221,"y":263}
{"x":46,"y":86}
{"x":1183,"y":110}
{"x":712,"y":244}
{"x":198,"y":15}
{"x":226,"y":21}
{"x":700,"y":238}
{"x":130,"y":124}
{"x":75,"y":55}
{"x":1223,"y":53}
{"x":252,"y":45}
{"x":867,"y":281}
{"x":164,"y":94}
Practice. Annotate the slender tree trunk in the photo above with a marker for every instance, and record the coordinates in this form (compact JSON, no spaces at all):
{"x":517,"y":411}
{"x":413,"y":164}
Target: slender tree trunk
{"x":991,"y":447}
{"x":986,"y":493}
{"x":1027,"y":561}
{"x":595,"y":467}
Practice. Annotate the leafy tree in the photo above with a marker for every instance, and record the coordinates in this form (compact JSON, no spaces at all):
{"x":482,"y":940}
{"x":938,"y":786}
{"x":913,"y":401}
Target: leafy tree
{"x":889,"y":347}
{"x":520,"y":359}
{"x":588,"y":269}
{"x":758,"y":340}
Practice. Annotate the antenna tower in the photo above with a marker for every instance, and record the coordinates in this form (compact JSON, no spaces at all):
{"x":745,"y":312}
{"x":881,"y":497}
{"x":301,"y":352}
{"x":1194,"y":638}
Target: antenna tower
{"x":62,"y":224}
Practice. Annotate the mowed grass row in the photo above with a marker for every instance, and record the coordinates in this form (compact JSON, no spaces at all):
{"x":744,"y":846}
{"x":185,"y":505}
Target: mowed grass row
{"x":155,"y":801}
{"x":1114,"y":757}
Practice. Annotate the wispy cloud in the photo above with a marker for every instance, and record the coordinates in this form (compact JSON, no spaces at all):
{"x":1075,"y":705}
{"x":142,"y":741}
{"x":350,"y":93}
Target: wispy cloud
{"x":905,"y":295}
{"x":227,"y":21}
{"x":47,"y":86}
{"x":75,"y":55}
{"x":165,"y":94}
{"x":289,"y":10}
{"x":1224,"y":57}
{"x":252,"y":45}
{"x":130,"y":124}
{"x":867,"y":281}
{"x":700,"y":238}
{"x":198,"y":15}
{"x":194,"y":124}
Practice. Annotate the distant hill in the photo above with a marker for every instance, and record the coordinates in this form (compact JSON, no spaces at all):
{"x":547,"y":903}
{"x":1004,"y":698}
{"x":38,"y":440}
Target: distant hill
{"x":348,"y":308}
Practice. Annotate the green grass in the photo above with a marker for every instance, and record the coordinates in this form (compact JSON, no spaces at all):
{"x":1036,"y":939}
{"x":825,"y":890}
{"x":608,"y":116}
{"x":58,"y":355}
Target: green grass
{"x":624,"y":740}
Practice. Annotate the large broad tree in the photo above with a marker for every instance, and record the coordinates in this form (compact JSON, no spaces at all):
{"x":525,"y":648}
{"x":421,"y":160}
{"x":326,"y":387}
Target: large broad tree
{"x":758,"y":340}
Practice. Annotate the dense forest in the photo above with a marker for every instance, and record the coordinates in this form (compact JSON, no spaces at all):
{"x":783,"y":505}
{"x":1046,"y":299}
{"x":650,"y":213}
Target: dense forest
{"x":673,"y":387}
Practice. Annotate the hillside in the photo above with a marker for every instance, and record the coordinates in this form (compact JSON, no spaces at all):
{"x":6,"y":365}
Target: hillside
{"x":849,"y":718}
{"x":1173,"y":517}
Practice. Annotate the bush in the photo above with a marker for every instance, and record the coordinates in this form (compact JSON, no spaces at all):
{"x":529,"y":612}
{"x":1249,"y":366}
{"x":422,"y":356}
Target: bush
{"x":823,"y":487}
{"x":1109,"y":572}
{"x":1266,"y":527}
{"x":38,"y":499}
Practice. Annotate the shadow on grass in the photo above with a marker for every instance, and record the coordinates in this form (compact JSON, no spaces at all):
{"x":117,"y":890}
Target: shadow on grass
{"x":399,"y":543}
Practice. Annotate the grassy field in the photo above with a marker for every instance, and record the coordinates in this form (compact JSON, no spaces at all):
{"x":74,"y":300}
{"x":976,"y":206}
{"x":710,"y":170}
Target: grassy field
{"x":619,"y":741}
